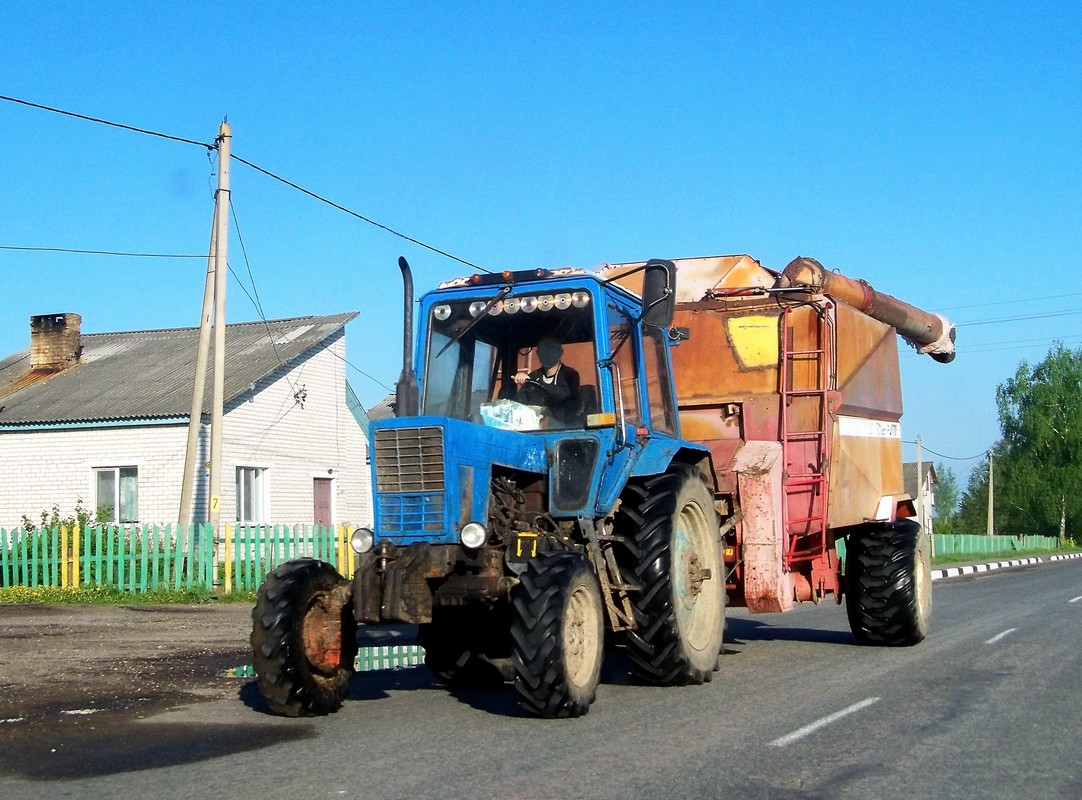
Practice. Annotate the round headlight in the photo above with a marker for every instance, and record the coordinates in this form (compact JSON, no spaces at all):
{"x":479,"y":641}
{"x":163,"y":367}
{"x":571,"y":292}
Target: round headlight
{"x":361,"y":540}
{"x":473,"y":535}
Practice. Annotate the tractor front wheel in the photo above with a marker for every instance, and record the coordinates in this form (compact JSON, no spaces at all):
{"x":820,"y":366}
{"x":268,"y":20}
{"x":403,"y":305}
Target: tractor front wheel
{"x":557,"y":635}
{"x":304,"y":638}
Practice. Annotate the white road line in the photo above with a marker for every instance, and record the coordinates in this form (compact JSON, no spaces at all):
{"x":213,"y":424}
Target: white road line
{"x":1075,"y":599}
{"x":999,"y":636}
{"x":789,"y":738}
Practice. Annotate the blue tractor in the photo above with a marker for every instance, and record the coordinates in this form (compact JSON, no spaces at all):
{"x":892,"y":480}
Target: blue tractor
{"x":535,"y":505}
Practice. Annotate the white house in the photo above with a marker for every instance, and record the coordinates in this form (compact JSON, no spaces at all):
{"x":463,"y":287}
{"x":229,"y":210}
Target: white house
{"x":926,"y":490}
{"x":101,"y":420}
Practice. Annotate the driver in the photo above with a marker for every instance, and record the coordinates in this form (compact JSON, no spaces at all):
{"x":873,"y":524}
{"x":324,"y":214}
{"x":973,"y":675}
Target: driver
{"x":554,"y":385}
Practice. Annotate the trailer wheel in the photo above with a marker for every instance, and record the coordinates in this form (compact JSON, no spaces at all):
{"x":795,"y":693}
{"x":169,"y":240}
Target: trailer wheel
{"x":888,"y":584}
{"x":304,"y":638}
{"x":557,"y":635}
{"x":468,"y":645}
{"x":675,"y":557}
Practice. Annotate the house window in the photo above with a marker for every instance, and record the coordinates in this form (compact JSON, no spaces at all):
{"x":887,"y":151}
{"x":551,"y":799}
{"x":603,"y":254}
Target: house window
{"x":116,"y":494}
{"x":251,"y":494}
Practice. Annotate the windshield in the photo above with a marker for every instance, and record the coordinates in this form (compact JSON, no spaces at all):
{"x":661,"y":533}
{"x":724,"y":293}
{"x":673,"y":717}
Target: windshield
{"x":529,"y":363}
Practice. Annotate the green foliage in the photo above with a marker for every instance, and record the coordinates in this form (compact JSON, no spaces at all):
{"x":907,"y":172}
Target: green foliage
{"x":946,"y":499}
{"x":53,"y":519}
{"x":1040,"y":468}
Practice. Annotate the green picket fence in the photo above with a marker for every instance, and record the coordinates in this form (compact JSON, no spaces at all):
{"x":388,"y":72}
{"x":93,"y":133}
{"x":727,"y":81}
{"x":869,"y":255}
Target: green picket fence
{"x":966,"y":544}
{"x":132,"y":558}
{"x":976,"y":544}
{"x":139,"y":558}
{"x":251,"y":551}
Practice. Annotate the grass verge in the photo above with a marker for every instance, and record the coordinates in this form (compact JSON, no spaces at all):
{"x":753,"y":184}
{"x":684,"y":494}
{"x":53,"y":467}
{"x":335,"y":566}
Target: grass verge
{"x":104,"y":595}
{"x":1002,"y":555}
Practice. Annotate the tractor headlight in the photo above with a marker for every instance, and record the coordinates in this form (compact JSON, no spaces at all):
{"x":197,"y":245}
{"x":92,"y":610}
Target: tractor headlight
{"x":361,"y":540}
{"x":473,"y":535}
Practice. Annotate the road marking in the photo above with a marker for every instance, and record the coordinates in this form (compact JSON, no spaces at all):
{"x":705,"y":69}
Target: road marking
{"x":1075,"y":599}
{"x":789,"y":738}
{"x":999,"y":636}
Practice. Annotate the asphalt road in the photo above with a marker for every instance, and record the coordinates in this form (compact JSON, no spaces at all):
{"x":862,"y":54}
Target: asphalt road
{"x":989,"y":706}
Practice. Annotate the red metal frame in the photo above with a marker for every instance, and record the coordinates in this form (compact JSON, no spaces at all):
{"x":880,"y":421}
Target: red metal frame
{"x":806,"y":534}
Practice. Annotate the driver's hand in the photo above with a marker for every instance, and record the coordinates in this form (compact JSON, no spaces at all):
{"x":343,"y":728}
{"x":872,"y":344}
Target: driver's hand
{"x":521,"y":377}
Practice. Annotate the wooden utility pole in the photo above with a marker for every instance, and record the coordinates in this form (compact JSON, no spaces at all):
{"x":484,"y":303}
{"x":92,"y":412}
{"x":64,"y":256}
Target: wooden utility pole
{"x":991,"y":494}
{"x":920,"y":486}
{"x":221,"y":226}
{"x":926,"y":529}
{"x":213,"y":314}
{"x":195,"y":415}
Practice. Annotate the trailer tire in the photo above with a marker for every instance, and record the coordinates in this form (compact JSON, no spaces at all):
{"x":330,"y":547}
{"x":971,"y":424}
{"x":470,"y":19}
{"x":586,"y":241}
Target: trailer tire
{"x":304,"y":638}
{"x":468,"y":645}
{"x":557,"y":635}
{"x":888,"y":584}
{"x":675,"y":557}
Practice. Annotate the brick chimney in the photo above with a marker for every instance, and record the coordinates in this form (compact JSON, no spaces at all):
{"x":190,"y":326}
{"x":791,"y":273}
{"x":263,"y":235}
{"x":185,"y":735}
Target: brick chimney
{"x":54,"y":341}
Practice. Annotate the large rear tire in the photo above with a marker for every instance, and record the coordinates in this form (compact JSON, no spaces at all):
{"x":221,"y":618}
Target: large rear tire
{"x":557,"y":634}
{"x":304,"y":638}
{"x":888,"y":584}
{"x":468,"y":645}
{"x":676,"y":559}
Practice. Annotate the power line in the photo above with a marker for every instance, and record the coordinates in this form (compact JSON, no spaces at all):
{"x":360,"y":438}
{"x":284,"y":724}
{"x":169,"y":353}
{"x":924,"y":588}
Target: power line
{"x":1013,"y":302}
{"x":949,"y":458}
{"x":1020,"y":318}
{"x":361,"y":217}
{"x":213,"y":147}
{"x":99,"y":252}
{"x":108,"y":123}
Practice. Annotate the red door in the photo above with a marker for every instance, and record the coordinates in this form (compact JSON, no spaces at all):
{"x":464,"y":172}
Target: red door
{"x":321,"y":493}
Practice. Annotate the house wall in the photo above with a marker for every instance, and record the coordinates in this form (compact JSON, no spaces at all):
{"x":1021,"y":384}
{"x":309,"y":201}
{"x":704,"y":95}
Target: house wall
{"x":296,"y":439}
{"x":41,"y":469}
{"x":296,"y":425}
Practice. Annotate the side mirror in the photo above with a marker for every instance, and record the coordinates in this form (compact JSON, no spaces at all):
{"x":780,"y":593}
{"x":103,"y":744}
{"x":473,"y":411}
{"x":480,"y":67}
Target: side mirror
{"x":659,"y":293}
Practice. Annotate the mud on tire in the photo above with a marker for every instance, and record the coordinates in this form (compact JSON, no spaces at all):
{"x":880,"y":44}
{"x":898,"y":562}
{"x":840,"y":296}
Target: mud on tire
{"x":675,"y":557}
{"x":304,"y":638}
{"x":557,"y":635}
{"x":888,"y":584}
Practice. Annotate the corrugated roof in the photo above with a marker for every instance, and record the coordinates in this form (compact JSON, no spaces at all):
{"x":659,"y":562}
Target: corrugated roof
{"x":909,"y":476}
{"x":140,"y":375}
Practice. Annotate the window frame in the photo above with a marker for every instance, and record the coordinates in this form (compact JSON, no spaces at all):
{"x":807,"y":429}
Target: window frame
{"x":118,"y":504}
{"x":259,"y":505}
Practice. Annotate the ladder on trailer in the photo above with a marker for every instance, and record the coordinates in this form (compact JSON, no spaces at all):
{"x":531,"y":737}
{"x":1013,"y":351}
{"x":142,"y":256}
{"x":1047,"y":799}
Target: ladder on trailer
{"x":805,"y":379}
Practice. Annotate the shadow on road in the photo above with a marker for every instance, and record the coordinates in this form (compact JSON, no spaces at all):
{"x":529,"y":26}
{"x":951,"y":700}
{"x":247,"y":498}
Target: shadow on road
{"x":739,"y":631}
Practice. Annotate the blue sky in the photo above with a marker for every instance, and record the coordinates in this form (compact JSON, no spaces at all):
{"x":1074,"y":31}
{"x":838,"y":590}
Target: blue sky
{"x":931,"y":149}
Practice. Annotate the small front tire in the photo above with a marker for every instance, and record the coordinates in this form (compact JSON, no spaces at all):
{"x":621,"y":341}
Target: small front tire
{"x":557,"y":635}
{"x":304,"y":638}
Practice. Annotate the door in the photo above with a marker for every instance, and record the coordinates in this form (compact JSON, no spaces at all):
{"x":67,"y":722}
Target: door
{"x":321,"y":494}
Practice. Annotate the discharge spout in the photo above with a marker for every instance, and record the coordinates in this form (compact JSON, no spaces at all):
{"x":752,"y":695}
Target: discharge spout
{"x":928,"y":332}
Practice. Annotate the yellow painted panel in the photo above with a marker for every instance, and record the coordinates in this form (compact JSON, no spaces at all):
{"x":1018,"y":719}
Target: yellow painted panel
{"x":754,"y":339}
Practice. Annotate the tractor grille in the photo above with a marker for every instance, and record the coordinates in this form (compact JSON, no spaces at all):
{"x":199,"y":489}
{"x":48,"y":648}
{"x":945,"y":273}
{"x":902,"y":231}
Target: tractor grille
{"x":409,"y":460}
{"x":409,"y":480}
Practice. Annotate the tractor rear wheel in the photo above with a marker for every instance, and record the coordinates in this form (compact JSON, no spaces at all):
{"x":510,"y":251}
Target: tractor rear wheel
{"x":304,"y":638}
{"x":468,"y":645}
{"x":557,"y":635}
{"x":675,"y":557}
{"x":888,"y":584}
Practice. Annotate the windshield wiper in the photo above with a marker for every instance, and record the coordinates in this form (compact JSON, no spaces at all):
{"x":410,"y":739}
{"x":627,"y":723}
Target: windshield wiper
{"x":500,"y":295}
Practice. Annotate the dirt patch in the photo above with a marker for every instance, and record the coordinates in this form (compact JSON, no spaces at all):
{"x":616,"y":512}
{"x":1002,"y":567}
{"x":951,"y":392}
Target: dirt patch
{"x":85,"y":661}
